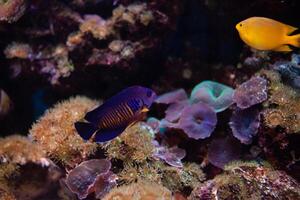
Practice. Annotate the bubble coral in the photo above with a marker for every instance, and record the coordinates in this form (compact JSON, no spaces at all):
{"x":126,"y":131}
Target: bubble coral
{"x":198,"y":121}
{"x":248,"y":180}
{"x":172,"y":97}
{"x":134,"y":145}
{"x":12,"y":10}
{"x":91,"y":176}
{"x":216,"y":95}
{"x":244,"y":124}
{"x":142,"y":190}
{"x":56,"y":134}
{"x":223,"y":150}
{"x":251,"y":92}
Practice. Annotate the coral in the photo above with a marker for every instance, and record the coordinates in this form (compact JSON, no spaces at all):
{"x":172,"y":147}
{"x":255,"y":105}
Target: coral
{"x":177,"y":180}
{"x":223,"y":150}
{"x":52,"y":61}
{"x":132,"y":172}
{"x":244,"y":124}
{"x":19,"y":158}
{"x":142,"y":190}
{"x":198,"y":120}
{"x":248,"y":180}
{"x":251,"y":92}
{"x":56,"y":134}
{"x":134,"y":145}
{"x":172,"y":97}
{"x":174,"y":111}
{"x":12,"y":10}
{"x":282,"y":107}
{"x":5,"y":104}
{"x":289,"y":70}
{"x":214,"y":94}
{"x":20,"y":150}
{"x":91,"y":176}
{"x":172,"y":156}
{"x":4,"y":195}
{"x":18,"y":50}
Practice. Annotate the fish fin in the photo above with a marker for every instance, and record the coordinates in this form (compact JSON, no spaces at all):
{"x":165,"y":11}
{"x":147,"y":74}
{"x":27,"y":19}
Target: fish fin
{"x":283,"y":48}
{"x":106,"y":135}
{"x":85,"y":130}
{"x":291,"y":29}
{"x":294,"y":40}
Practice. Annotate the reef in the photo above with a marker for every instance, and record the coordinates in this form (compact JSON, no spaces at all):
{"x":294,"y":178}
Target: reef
{"x":248,"y":180}
{"x":225,"y":123}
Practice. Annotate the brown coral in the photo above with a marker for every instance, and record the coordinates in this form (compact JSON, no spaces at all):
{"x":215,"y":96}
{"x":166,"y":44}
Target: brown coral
{"x":20,"y":150}
{"x":142,"y":190}
{"x":56,"y":134}
{"x":12,"y":10}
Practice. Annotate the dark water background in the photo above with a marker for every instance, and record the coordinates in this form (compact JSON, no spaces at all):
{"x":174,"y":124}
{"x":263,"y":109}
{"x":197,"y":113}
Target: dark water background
{"x":205,"y":35}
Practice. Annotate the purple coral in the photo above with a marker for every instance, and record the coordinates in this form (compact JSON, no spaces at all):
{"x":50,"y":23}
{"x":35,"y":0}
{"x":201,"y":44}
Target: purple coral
{"x":244,"y":124}
{"x":174,"y":111}
{"x":172,"y":97}
{"x":222,"y":151}
{"x":83,"y":179}
{"x":172,"y":155}
{"x":251,"y":92}
{"x":198,"y":120}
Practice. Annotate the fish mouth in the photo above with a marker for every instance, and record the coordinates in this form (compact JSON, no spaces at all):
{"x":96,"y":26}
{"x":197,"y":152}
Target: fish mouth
{"x":144,"y":110}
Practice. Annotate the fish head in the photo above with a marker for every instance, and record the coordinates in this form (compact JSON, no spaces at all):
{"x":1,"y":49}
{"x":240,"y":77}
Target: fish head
{"x":148,"y":97}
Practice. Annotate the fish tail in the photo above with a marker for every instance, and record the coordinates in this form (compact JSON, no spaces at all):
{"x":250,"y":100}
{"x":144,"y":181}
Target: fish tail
{"x":85,"y":130}
{"x":295,"y":40}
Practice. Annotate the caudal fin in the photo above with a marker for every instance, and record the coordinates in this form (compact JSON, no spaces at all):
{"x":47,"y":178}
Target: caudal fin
{"x":85,"y":130}
{"x":295,"y":40}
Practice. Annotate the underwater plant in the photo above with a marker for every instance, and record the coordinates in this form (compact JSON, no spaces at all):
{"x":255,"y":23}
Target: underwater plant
{"x":56,"y":134}
{"x":216,"y":95}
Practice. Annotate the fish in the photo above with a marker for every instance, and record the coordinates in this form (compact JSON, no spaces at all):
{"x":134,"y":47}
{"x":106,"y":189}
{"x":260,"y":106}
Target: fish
{"x":110,"y":119}
{"x":267,"y":34}
{"x":5,"y":104}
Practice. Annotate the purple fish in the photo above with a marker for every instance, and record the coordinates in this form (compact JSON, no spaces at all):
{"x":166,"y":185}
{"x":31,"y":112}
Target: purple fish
{"x":111,"y":118}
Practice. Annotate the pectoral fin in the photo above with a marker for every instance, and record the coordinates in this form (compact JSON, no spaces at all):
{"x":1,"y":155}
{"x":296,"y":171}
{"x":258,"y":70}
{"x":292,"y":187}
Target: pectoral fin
{"x":283,"y":48}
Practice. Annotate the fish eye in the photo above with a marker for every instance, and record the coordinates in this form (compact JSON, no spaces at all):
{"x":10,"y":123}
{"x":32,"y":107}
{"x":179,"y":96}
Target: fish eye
{"x":241,"y":25}
{"x":149,"y":93}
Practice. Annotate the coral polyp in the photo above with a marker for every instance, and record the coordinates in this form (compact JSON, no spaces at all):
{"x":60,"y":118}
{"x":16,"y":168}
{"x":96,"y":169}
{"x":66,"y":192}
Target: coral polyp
{"x":61,"y":141}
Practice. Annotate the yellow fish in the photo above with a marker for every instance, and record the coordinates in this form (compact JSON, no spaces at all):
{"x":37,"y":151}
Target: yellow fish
{"x":267,"y":34}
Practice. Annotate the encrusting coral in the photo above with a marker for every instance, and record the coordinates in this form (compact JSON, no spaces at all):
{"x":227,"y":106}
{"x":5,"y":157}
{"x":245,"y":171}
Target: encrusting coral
{"x":140,"y":190}
{"x":19,"y":157}
{"x":56,"y":134}
{"x":20,"y":150}
{"x":12,"y":10}
{"x":282,"y":107}
{"x":248,"y":180}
